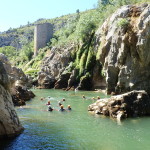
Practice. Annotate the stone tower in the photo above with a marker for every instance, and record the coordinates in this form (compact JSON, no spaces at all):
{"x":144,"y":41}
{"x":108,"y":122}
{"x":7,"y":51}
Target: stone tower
{"x":42,"y":35}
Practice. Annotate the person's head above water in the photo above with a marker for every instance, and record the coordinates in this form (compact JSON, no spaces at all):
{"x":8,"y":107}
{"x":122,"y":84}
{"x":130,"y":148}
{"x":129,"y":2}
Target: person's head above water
{"x":63,"y":99}
{"x":61,"y":106}
{"x":98,"y":97}
{"x":69,"y":107}
{"x":59,"y":103}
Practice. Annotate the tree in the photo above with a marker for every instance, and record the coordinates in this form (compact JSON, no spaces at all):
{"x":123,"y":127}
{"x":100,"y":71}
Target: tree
{"x":9,"y":51}
{"x":77,"y":11}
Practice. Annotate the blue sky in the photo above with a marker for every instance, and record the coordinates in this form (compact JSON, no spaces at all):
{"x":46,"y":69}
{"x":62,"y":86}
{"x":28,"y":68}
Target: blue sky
{"x":14,"y":13}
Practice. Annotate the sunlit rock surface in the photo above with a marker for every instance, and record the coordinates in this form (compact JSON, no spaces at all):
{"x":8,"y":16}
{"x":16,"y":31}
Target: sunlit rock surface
{"x":9,"y":122}
{"x":124,"y":49}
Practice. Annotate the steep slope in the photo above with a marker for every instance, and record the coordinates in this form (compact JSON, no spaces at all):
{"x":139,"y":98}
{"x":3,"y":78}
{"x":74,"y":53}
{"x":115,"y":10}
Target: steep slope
{"x":124,"y":49}
{"x":121,"y":46}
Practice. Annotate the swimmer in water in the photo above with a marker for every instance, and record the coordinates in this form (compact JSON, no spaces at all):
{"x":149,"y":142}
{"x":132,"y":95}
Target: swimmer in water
{"x":48,"y":103}
{"x":83,"y":97}
{"x":69,"y":107}
{"x":50,"y":108}
{"x":59,"y":103}
{"x":42,"y":99}
{"x":98,"y":97}
{"x":93,"y":98}
{"x":63,"y":99}
{"x":61,"y":108}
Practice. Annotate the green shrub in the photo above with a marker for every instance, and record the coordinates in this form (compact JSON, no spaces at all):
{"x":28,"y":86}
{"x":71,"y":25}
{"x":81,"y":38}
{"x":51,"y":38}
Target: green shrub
{"x":87,"y":75}
{"x":32,"y":72}
{"x":90,"y":60}
{"x":9,"y":51}
{"x":82,"y":63}
{"x":123,"y":22}
{"x":79,"y":54}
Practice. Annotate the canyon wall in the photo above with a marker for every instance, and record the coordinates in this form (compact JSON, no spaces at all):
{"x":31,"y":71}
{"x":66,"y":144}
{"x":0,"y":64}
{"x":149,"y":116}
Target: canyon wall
{"x":9,"y":122}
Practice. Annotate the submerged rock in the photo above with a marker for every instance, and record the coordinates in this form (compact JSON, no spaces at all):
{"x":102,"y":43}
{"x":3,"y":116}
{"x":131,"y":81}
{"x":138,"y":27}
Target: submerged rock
{"x":131,"y":104}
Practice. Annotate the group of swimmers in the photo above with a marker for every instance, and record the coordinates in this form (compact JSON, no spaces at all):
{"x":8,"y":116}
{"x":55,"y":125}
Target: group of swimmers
{"x":59,"y":104}
{"x":93,"y":98}
{"x":63,"y":100}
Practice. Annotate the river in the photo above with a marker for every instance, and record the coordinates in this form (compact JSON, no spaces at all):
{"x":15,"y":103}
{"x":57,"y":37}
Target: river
{"x":77,"y":129}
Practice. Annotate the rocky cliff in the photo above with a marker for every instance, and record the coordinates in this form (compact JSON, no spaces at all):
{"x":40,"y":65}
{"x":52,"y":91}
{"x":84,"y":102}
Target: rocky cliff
{"x":71,"y":67}
{"x":123,"y":44}
{"x":16,"y":75}
{"x":123,"y":48}
{"x":131,"y":104}
{"x":53,"y":65}
{"x":122,"y":62}
{"x":9,"y":122}
{"x":18,"y":82}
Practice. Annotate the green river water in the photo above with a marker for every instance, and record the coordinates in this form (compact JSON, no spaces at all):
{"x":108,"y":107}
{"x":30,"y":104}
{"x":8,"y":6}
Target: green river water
{"x":77,"y":129}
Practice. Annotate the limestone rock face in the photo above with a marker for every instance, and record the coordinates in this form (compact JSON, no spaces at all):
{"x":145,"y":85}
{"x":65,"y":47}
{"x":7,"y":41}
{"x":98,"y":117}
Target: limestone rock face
{"x":131,"y":104}
{"x":9,"y":122}
{"x":15,"y":75}
{"x":53,"y":66}
{"x":9,"y":40}
{"x":21,"y":96}
{"x":62,"y":82}
{"x":17,"y":79}
{"x":85,"y":83}
{"x":45,"y":80}
{"x":123,"y":43}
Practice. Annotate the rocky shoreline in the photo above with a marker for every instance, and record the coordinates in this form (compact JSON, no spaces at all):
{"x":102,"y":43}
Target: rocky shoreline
{"x":13,"y":92}
{"x":10,"y":125}
{"x":21,"y":96}
{"x":18,"y":83}
{"x":131,"y":104}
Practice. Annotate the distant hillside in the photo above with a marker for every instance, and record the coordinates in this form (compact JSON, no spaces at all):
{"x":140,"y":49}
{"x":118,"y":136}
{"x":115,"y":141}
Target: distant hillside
{"x":74,"y":31}
{"x":18,"y":37}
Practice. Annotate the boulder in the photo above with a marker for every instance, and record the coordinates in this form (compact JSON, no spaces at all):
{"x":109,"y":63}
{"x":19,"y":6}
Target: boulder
{"x":18,"y":82}
{"x":131,"y":104}
{"x":22,"y":95}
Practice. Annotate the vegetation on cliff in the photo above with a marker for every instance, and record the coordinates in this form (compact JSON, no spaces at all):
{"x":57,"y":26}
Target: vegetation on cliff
{"x":77,"y":29}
